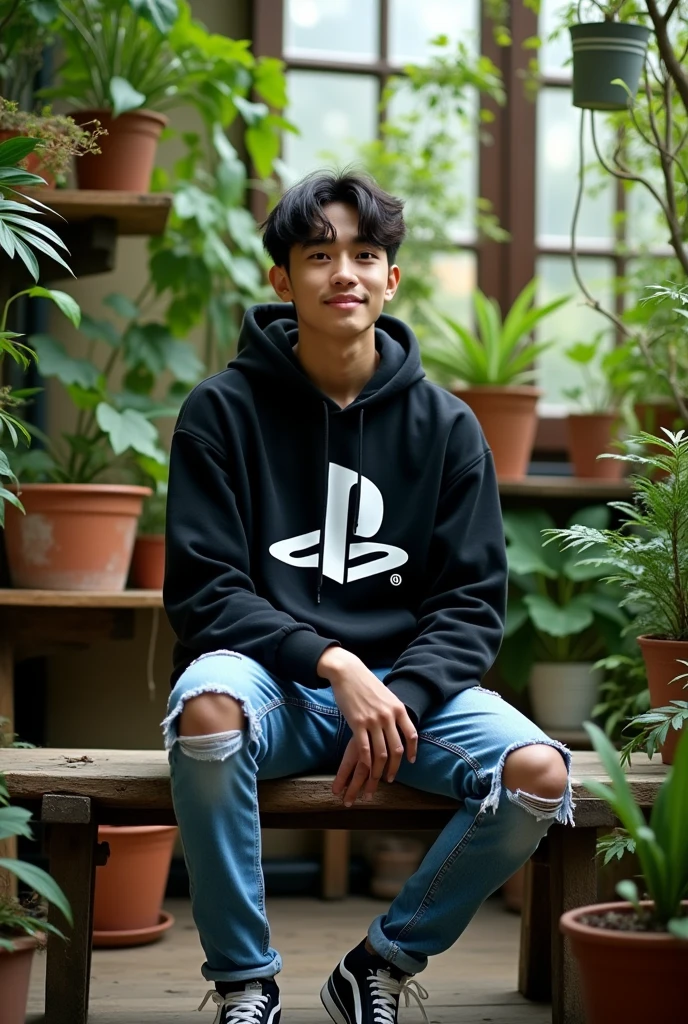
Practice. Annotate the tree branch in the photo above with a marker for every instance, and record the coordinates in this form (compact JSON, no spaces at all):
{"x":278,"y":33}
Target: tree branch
{"x":666,"y":51}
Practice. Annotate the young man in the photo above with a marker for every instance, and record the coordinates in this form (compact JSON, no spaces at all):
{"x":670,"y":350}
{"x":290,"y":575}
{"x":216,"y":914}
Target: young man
{"x":336,"y":579}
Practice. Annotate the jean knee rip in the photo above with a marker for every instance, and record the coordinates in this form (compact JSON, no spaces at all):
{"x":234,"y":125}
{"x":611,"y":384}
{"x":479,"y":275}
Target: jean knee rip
{"x":542,"y":808}
{"x":215,"y":746}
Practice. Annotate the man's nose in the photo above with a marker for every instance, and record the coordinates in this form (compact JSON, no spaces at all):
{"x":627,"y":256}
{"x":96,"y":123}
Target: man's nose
{"x":344,"y":272}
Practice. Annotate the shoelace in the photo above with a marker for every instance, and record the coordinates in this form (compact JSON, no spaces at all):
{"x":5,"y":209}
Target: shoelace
{"x":248,"y":1006}
{"x":386,"y":991}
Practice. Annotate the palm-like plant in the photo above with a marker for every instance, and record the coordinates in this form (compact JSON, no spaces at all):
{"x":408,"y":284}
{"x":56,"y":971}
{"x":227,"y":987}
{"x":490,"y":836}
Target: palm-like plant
{"x":500,"y":352}
{"x":648,"y":554}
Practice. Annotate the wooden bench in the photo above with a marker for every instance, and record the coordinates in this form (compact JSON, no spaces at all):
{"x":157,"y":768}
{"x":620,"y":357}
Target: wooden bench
{"x":75,"y":790}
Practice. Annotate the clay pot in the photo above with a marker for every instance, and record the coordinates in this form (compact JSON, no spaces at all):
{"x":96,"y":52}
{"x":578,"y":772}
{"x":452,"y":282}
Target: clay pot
{"x":130,"y":888}
{"x":32,"y":162}
{"x":591,"y":434}
{"x":125,"y":162}
{"x":661,"y":659}
{"x":508,"y":416}
{"x":652,"y":416}
{"x":563,"y":694}
{"x":73,"y":536}
{"x":15,"y":975}
{"x":148,"y":562}
{"x":394,"y":860}
{"x":634,"y":977}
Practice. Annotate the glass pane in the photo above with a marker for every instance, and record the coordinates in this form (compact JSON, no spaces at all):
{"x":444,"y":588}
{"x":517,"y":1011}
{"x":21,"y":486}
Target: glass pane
{"x":334,"y":112}
{"x":646,"y":225}
{"x":557,"y":175}
{"x":573,"y":322}
{"x":554,"y":55}
{"x":463,"y":185}
{"x":457,"y":274}
{"x":413,"y":23}
{"x":332,"y":30}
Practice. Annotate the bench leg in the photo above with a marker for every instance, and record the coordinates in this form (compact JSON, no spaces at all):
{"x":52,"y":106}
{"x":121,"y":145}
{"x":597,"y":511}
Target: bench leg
{"x":534,"y":966}
{"x":573,"y":883}
{"x":335,"y":863}
{"x":72,"y":853}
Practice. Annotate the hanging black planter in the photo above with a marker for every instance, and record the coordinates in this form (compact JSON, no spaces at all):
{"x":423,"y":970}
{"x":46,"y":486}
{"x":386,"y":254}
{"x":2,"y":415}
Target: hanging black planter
{"x":602,"y":52}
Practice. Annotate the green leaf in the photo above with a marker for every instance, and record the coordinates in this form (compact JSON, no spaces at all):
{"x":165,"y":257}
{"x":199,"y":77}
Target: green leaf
{"x":54,"y":361}
{"x":124,"y":96}
{"x":41,"y":882}
{"x":628,"y":890}
{"x":181,"y":360}
{"x":161,"y":13}
{"x":100,"y":330}
{"x":64,"y":302}
{"x":525,"y":550}
{"x":15,"y":821}
{"x":128,"y":429}
{"x":559,"y":620}
{"x":263,"y":144}
{"x":122,"y":305}
{"x":678,"y":926}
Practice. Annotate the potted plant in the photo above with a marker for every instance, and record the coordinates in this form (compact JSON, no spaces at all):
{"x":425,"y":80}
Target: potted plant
{"x":624,"y":694}
{"x":83,"y":528}
{"x":633,"y":956}
{"x":22,"y":921}
{"x":58,"y":140}
{"x":593,"y":429}
{"x":495,"y":367}
{"x":647,"y":555}
{"x":148,"y":560}
{"x":119,"y":69}
{"x":608,"y":57}
{"x":560,"y":620}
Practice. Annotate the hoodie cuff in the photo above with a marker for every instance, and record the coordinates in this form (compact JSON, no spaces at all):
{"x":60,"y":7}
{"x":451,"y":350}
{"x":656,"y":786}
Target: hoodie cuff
{"x":414,"y":695}
{"x":298,"y":656}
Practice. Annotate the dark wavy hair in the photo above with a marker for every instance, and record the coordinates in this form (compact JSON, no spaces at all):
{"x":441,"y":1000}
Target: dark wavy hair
{"x":298,"y":217}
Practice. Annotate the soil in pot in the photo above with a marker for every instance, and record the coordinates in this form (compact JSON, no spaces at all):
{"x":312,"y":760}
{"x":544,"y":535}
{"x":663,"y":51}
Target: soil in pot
{"x":563,"y":694}
{"x":590,"y":435}
{"x":15,"y":975}
{"x":130,"y":888}
{"x":127,"y":153}
{"x":663,"y":663}
{"x":148,"y":562}
{"x":627,"y":976}
{"x":73,"y":536}
{"x":508,"y":416}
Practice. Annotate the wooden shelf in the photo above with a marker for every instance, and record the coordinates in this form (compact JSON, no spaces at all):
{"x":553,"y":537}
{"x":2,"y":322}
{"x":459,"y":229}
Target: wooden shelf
{"x":135,"y":213}
{"x":565,"y":487}
{"x":18,"y":598}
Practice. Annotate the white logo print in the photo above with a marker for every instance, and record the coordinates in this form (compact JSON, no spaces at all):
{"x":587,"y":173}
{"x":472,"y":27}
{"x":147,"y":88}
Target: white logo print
{"x":335,"y":556}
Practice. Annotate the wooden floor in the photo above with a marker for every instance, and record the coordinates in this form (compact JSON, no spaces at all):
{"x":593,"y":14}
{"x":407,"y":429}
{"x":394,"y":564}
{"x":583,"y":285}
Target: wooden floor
{"x":473,"y":983}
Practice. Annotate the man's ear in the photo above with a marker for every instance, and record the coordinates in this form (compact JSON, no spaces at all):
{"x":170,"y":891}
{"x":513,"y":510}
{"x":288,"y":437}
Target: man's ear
{"x":279,"y":279}
{"x":392,"y":282}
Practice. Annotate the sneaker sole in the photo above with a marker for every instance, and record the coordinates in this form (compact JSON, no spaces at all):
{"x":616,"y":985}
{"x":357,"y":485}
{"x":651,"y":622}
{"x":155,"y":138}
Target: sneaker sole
{"x":331,"y":1007}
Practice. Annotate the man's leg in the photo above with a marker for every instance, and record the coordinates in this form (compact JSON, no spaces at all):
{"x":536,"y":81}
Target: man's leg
{"x":230,"y":722}
{"x":513,"y":781}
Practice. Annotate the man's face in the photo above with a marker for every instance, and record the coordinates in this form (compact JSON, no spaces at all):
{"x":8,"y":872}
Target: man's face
{"x":339,"y":288}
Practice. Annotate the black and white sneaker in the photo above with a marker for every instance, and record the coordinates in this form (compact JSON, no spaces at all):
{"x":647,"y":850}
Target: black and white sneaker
{"x":365,"y":989}
{"x":251,"y":1002}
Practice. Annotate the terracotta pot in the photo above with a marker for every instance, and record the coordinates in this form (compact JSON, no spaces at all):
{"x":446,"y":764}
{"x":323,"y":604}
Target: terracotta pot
{"x":73,"y":536}
{"x":508,"y":416}
{"x":661,"y":659}
{"x":130,"y":888}
{"x":591,"y":434}
{"x":394,"y":861}
{"x":15,"y":974}
{"x":32,"y":162}
{"x":634,"y":977}
{"x":563,"y":693}
{"x":652,"y":416}
{"x":148,"y":562}
{"x":125,"y":162}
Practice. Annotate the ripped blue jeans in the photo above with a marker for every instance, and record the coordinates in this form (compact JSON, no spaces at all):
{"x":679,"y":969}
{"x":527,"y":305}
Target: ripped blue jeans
{"x":295,"y":730}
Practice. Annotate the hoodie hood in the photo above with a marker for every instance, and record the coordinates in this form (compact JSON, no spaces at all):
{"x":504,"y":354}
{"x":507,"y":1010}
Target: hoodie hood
{"x":266,"y":355}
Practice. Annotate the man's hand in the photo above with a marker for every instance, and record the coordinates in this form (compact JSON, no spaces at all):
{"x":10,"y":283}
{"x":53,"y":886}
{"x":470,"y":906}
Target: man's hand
{"x":376,"y":718}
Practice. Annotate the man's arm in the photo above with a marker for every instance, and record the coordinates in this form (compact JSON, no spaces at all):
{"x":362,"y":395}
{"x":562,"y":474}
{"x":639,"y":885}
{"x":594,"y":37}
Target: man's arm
{"x":461,"y":617}
{"x":209,"y":597}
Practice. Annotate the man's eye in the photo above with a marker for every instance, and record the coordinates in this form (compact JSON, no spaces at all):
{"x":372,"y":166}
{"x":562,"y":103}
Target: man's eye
{"x":318,"y":256}
{"x":371,"y":255}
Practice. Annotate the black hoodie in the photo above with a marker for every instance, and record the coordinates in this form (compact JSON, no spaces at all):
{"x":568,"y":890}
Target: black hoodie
{"x":294,"y":524}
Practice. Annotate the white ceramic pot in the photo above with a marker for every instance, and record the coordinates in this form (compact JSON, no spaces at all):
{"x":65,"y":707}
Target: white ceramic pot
{"x":563,"y":694}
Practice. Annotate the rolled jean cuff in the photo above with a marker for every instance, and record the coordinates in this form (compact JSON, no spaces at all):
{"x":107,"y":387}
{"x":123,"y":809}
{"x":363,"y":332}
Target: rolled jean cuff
{"x":392,"y":952}
{"x":267,"y":971}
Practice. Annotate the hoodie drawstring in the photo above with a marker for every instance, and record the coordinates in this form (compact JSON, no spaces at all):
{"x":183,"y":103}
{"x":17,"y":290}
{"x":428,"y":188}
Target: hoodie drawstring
{"x":326,"y":480}
{"x":323,"y":514}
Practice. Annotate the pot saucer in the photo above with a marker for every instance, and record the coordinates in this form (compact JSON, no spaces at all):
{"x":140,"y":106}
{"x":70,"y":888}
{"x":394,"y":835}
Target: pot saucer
{"x":134,"y":936}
